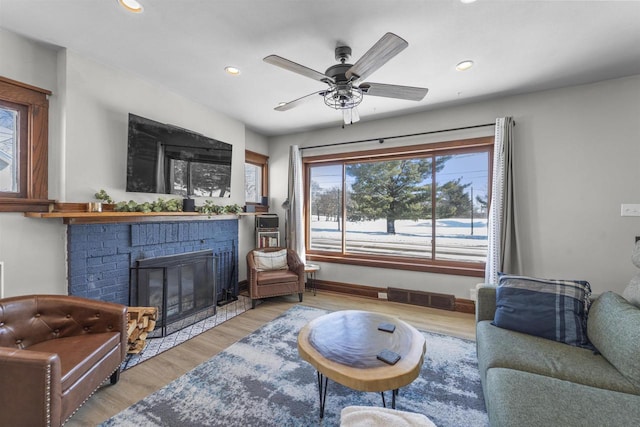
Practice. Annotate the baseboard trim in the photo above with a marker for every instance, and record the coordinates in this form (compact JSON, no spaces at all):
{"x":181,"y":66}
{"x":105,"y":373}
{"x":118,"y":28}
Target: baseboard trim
{"x":459,"y":305}
{"x":348,"y":289}
{"x":465,"y":306}
{"x":243,"y":285}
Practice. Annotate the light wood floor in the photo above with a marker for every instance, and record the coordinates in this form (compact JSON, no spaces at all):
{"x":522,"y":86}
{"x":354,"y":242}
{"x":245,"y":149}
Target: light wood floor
{"x":143,"y":379}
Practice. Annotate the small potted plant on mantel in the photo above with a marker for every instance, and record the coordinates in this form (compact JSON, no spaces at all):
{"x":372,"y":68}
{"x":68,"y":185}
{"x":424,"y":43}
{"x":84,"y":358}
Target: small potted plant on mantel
{"x":106,"y":203}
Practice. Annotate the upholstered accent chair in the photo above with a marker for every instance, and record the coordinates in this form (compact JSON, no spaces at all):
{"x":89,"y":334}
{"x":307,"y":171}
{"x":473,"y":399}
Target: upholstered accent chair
{"x":274,"y":272}
{"x":55,"y":351}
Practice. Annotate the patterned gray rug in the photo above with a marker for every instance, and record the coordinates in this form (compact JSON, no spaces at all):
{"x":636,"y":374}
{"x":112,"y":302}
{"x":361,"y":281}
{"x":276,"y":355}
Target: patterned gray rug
{"x":261,"y":381}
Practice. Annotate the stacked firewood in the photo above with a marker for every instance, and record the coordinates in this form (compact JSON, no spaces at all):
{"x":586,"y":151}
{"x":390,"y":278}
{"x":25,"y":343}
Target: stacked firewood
{"x":142,"y":320}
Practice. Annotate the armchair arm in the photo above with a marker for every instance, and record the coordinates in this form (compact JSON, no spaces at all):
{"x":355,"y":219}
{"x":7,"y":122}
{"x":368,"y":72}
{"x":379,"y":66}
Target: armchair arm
{"x":252,"y":274}
{"x":486,"y":303}
{"x":30,"y":388}
{"x":297,"y":266}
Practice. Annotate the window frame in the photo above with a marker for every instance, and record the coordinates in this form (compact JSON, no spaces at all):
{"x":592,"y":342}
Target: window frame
{"x":261,"y":161}
{"x":33,"y":160}
{"x":480,"y":144}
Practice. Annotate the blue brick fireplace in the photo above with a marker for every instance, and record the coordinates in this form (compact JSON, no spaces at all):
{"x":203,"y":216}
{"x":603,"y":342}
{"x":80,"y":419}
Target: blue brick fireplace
{"x":100,"y":256}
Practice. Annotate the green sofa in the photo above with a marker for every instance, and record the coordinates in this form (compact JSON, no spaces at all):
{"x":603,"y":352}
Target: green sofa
{"x":532,"y":381}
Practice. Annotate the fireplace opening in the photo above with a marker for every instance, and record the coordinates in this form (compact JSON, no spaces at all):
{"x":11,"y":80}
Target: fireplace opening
{"x":182,"y":286}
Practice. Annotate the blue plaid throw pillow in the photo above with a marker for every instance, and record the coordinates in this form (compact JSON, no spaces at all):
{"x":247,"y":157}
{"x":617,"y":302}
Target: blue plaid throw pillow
{"x":552,"y":309}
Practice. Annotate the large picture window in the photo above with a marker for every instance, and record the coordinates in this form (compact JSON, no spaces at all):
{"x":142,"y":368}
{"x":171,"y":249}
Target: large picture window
{"x":23,"y":147}
{"x":419,"y":208}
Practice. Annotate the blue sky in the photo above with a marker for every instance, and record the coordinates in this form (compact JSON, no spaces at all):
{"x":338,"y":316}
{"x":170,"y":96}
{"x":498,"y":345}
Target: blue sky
{"x":472,"y":167}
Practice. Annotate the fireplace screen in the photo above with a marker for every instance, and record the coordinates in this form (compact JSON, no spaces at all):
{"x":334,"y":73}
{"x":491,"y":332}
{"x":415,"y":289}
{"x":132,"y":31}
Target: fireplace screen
{"x":181,"y":286}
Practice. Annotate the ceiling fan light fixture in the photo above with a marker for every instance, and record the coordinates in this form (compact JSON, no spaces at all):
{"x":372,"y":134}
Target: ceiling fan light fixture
{"x":341,"y":99}
{"x":464,"y":65}
{"x":234,"y":71}
{"x":132,"y":6}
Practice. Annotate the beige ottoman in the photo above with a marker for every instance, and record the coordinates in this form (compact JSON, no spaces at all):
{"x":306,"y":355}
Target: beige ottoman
{"x":368,"y":416}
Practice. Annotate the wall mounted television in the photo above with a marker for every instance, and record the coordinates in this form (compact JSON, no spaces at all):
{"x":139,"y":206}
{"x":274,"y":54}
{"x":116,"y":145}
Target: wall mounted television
{"x":167,"y":159}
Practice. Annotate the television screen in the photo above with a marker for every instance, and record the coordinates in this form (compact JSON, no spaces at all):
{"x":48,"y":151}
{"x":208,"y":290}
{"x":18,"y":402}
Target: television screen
{"x":167,"y":159}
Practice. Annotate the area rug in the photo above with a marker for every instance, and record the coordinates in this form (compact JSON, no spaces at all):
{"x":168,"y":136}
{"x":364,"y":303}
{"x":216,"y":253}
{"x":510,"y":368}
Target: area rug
{"x":261,"y":381}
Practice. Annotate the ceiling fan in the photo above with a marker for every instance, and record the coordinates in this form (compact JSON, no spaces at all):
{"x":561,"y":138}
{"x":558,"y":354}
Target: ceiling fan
{"x":345,"y":87}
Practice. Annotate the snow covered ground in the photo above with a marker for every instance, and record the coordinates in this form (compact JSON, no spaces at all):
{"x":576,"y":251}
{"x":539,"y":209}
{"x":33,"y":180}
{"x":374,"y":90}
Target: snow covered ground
{"x":455,"y":238}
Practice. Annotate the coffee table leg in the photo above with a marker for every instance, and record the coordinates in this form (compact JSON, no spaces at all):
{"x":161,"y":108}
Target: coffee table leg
{"x":322,"y":389}
{"x":394,"y":393}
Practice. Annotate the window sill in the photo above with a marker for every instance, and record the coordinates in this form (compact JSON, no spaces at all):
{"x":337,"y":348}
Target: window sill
{"x":441,"y":267}
{"x":24,"y":205}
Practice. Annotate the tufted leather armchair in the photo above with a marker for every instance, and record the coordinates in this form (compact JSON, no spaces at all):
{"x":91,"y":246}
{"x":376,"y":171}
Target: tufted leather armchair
{"x":55,"y":351}
{"x":273,"y":283}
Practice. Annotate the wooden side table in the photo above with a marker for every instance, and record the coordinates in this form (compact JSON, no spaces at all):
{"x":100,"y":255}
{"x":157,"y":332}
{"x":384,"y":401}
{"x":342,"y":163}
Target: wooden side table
{"x":311,"y":270}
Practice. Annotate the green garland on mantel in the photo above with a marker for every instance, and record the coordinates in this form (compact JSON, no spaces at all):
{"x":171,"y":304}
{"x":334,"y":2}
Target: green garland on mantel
{"x":170,"y":205}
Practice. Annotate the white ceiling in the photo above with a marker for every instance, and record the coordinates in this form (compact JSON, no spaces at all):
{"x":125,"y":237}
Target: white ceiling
{"x":184,"y":45}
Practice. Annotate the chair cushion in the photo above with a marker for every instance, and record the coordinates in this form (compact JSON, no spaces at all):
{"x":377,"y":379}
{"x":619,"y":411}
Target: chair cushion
{"x":276,"y":260}
{"x":552,"y":309}
{"x":79,"y":353}
{"x":276,"y":276}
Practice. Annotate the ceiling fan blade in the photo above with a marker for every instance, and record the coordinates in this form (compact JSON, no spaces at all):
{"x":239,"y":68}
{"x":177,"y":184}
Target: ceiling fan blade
{"x":380,"y":53}
{"x":297,"y":68}
{"x":291,"y":104}
{"x":394,"y":91}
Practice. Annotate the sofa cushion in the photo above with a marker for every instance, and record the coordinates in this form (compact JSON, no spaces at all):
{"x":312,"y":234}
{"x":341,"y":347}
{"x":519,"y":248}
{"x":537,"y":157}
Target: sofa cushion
{"x":614,"y":329}
{"x":522,"y":399}
{"x":274,"y":260}
{"x":502,"y":348}
{"x":552,"y":309}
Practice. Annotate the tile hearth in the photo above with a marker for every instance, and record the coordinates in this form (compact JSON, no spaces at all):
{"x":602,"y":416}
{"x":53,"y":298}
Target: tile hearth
{"x":158,"y":345}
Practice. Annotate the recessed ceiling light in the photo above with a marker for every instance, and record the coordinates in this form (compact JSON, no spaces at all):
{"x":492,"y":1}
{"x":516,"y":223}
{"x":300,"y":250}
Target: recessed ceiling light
{"x":467,"y":1}
{"x":232,"y":70}
{"x":464,"y":65}
{"x":131,"y":5}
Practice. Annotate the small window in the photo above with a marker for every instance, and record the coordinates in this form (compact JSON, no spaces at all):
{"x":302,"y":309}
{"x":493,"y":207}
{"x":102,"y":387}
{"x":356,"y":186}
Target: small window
{"x":24,"y":112}
{"x":12,"y":145}
{"x":255,"y":177}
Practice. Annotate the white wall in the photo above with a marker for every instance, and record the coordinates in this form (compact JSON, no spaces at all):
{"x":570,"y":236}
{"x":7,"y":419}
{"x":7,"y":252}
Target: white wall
{"x":31,"y":250}
{"x":99,"y":100}
{"x":578,"y":157}
{"x":88,"y":147}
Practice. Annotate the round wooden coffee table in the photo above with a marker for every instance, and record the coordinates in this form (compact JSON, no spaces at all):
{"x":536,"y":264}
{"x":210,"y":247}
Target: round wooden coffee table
{"x":344,"y":345}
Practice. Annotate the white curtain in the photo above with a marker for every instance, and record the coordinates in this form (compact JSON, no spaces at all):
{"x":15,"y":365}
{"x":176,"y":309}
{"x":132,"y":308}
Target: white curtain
{"x":503,"y":254}
{"x":295,"y":220}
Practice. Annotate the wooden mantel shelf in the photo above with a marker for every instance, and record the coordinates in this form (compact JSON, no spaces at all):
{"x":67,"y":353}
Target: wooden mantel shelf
{"x":111,"y":217}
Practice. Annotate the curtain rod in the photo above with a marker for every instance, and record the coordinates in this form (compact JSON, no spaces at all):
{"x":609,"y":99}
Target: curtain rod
{"x":381,"y":140}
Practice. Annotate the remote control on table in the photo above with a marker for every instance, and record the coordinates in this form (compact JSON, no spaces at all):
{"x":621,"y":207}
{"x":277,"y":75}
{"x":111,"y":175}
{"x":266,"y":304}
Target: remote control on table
{"x":387,"y":327}
{"x":388,"y":356}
